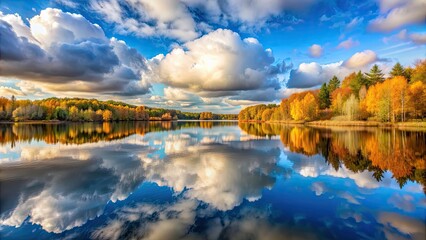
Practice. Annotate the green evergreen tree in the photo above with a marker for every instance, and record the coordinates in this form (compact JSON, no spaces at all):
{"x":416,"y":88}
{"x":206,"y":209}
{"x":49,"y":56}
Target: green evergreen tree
{"x":324,"y":97}
{"x":13,"y":99}
{"x":333,"y":84}
{"x":356,"y":84}
{"x":398,"y":70}
{"x":362,"y":79}
{"x":374,"y":76}
{"x":408,"y":73}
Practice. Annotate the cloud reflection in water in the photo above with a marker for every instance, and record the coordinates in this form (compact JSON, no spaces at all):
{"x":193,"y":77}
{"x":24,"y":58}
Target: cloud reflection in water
{"x":224,"y":183}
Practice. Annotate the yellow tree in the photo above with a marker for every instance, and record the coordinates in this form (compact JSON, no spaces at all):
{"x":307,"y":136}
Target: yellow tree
{"x":378,"y":100}
{"x":296,"y":110}
{"x":417,"y":96}
{"x":107,"y":115}
{"x":285,"y":109}
{"x":346,"y":83}
{"x":310,"y":106}
{"x":338,"y":97}
{"x":278,"y":114}
{"x":73,"y":113}
{"x":419,"y":72}
{"x":399,"y":97}
{"x":384,"y":99}
{"x":267,"y":113}
{"x":141,"y":114}
{"x":388,"y":100}
{"x":99,"y":115}
{"x":351,"y":108}
{"x":363,"y":113}
{"x":370,"y":100}
{"x":304,"y":109}
{"x":166,"y":116}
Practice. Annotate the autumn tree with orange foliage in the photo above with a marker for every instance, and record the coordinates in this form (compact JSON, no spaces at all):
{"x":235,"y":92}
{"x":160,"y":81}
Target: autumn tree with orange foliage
{"x":419,"y":72}
{"x":304,"y":105}
{"x":360,"y":97}
{"x":69,"y":109}
{"x":417,"y":93}
{"x":390,"y":100}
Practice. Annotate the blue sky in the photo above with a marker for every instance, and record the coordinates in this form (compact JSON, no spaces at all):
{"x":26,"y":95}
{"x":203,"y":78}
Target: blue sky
{"x":200,"y":55}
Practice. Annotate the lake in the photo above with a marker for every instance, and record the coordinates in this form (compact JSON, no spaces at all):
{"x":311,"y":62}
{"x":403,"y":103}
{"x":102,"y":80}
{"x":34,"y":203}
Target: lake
{"x":210,"y":180}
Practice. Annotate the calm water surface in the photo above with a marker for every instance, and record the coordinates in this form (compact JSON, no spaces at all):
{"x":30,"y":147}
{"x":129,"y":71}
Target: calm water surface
{"x":210,"y":180}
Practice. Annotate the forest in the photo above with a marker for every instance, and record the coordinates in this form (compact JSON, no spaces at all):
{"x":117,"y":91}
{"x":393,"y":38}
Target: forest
{"x":360,"y":96}
{"x":92,"y":110}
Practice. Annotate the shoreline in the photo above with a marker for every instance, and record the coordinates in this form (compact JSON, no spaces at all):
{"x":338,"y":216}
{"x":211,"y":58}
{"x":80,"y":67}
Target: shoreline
{"x":368,"y":124}
{"x":319,"y":123}
{"x":62,"y":122}
{"x":331,"y":123}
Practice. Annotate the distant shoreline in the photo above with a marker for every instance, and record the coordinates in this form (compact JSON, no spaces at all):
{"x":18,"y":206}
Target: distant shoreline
{"x":61,"y":122}
{"x":207,"y":120}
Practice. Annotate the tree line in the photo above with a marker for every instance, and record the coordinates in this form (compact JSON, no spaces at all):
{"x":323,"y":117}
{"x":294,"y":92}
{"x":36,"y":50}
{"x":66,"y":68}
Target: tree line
{"x":69,"y":109}
{"x":91,"y":110}
{"x":360,"y":96}
{"x":177,"y":114}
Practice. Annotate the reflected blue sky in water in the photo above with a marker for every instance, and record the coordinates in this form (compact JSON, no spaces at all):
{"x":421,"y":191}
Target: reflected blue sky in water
{"x":197,"y":183}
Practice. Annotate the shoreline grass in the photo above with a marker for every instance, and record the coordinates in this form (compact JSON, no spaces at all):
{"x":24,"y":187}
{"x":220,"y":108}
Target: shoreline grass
{"x":332,"y":123}
{"x":367,"y":124}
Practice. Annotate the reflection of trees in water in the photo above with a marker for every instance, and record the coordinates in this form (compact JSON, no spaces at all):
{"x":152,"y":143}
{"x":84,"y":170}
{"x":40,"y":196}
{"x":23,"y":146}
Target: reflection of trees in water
{"x":301,"y":140}
{"x":80,"y":133}
{"x":358,"y":149}
{"x":401,"y":152}
{"x":260,"y":130}
{"x":73,"y":133}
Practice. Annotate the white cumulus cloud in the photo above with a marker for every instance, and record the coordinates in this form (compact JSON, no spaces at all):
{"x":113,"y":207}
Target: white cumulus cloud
{"x":398,"y":13}
{"x":314,"y":74}
{"x":63,"y":52}
{"x":217,"y":62}
{"x":361,"y":59}
{"x":168,"y":18}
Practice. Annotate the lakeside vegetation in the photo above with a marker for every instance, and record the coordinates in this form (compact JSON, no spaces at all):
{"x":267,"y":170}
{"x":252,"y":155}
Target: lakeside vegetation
{"x":361,"y":98}
{"x":92,"y":110}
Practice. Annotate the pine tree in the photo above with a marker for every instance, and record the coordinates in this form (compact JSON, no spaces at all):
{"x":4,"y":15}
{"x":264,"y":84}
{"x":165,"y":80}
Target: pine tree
{"x":398,"y":70}
{"x":13,"y":99}
{"x":359,"y":81}
{"x":362,"y":80}
{"x":324,"y":97}
{"x":333,"y":84}
{"x":374,"y":76}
